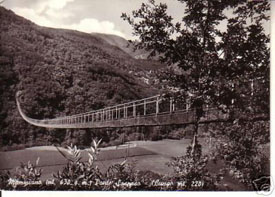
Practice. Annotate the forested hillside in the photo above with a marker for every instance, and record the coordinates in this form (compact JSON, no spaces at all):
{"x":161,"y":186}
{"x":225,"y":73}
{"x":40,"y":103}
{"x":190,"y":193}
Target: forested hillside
{"x":61,"y":72}
{"x":123,"y":44}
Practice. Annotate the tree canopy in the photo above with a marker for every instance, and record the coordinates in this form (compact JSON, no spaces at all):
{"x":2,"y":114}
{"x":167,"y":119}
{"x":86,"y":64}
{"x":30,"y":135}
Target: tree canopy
{"x":226,"y":68}
{"x":213,"y":65}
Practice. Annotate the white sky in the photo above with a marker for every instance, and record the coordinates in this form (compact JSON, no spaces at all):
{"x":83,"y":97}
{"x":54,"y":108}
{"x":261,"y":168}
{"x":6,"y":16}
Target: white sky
{"x":102,"y":16}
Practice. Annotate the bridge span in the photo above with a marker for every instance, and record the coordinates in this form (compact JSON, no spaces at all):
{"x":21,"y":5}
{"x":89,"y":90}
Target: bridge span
{"x":152,"y":111}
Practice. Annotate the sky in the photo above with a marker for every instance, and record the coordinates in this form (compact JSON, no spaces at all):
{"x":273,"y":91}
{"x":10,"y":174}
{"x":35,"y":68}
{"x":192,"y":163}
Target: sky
{"x":101,"y":16}
{"x":104,"y":16}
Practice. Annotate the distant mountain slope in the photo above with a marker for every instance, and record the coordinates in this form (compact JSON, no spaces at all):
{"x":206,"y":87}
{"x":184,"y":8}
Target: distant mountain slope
{"x":62,"y":72}
{"x":123,"y":44}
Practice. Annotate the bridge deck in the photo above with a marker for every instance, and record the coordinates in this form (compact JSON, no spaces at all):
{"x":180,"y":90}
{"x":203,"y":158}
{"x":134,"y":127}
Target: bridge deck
{"x":151,"y":111}
{"x":174,"y":118}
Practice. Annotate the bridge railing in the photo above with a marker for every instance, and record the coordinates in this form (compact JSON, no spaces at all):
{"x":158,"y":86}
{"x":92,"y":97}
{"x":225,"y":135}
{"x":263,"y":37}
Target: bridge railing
{"x":152,"y":106}
{"x":144,"y":107}
{"x":156,"y":107}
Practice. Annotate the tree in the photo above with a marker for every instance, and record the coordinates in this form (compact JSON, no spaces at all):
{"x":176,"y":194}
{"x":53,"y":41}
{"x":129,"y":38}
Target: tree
{"x":243,"y":149}
{"x":210,"y":65}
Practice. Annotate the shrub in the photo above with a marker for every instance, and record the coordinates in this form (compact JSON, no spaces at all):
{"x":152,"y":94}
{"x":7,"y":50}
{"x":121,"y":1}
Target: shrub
{"x":191,"y":169}
{"x":5,"y":148}
{"x":4,"y":178}
{"x":155,"y":135}
{"x":134,"y":136}
{"x":115,"y":143}
{"x":28,"y":172}
{"x":77,"y":174}
{"x":85,"y":175}
{"x":176,"y":134}
{"x":122,"y":177}
{"x":239,"y":145}
{"x":21,"y":146}
{"x":146,"y":179}
{"x":26,"y":177}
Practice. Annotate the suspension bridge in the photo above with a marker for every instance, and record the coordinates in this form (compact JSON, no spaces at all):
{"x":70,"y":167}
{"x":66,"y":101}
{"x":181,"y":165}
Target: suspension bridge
{"x":152,"y":111}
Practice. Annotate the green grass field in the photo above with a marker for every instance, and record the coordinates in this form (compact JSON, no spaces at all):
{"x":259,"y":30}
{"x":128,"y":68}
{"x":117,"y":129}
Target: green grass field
{"x":147,"y":155}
